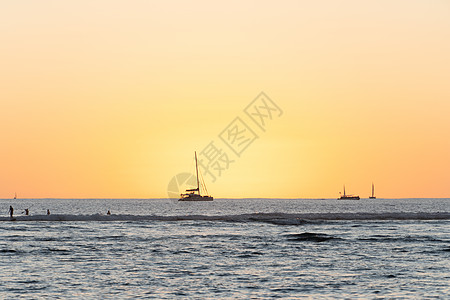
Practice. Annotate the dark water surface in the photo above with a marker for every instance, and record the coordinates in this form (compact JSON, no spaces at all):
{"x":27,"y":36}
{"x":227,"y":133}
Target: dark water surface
{"x":241,"y":248}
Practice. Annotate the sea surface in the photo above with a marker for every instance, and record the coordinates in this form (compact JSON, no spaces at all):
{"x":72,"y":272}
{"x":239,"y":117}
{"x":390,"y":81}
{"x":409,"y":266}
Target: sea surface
{"x":228,"y":248}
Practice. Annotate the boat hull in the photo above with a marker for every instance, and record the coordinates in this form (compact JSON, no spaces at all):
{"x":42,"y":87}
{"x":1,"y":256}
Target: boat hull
{"x":196,"y":198}
{"x":349,"y":198}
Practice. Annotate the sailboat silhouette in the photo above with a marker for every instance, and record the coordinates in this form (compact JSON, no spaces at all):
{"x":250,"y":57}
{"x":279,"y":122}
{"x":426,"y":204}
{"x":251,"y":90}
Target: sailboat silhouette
{"x":348,"y":197}
{"x":373,"y":192}
{"x":191,"y":194}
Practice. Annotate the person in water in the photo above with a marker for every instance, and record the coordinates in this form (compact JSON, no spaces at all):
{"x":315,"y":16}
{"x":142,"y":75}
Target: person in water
{"x":48,"y":212}
{"x":108,"y":213}
{"x":26,"y":211}
{"x":11,"y":211}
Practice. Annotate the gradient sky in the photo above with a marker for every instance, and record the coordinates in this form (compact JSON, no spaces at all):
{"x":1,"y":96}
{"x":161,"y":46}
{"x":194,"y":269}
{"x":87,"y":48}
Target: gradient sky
{"x":112,"y":98}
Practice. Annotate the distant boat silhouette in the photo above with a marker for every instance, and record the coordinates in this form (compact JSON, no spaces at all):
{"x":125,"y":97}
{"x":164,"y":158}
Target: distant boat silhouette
{"x":348,"y":197}
{"x":190,"y":194}
{"x":15,"y":195}
{"x":373,"y":193}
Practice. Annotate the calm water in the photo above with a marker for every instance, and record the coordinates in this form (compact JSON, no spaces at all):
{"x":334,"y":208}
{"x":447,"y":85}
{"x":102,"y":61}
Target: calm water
{"x":246,"y":248}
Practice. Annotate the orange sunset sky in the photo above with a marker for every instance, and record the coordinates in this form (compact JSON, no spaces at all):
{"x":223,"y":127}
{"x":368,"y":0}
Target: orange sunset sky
{"x":112,"y":98}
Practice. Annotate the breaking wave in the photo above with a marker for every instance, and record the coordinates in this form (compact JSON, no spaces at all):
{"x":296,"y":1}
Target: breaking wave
{"x":273,"y":218}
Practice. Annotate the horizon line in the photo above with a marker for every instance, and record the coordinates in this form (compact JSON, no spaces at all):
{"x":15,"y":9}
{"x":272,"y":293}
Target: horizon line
{"x":221,"y":198}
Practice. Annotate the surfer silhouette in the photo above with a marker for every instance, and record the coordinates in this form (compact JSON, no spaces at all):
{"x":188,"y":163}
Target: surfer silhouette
{"x":11,"y":211}
{"x":48,"y":212}
{"x":108,"y":213}
{"x":27,"y":211}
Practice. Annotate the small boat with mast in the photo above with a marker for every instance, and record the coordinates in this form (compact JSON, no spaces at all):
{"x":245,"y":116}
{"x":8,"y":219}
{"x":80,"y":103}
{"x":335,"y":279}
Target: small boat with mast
{"x":194,"y":194}
{"x":348,"y":197}
{"x":373,"y":192}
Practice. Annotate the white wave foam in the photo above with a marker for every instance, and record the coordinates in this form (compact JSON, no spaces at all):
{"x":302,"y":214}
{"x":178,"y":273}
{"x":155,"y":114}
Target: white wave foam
{"x":274,"y":218}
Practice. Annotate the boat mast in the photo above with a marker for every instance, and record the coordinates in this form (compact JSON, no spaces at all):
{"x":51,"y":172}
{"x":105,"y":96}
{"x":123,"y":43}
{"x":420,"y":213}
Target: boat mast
{"x":372,"y":189}
{"x":196,"y":169}
{"x":344,"y":190}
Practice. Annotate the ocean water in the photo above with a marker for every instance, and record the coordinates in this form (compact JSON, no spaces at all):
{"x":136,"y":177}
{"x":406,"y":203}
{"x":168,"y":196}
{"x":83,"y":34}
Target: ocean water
{"x":228,"y":248}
